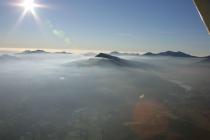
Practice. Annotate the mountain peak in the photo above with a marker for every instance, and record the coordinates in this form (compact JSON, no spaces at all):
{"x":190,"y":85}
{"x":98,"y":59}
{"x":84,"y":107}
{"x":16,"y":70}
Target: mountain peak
{"x":149,"y":54}
{"x":107,"y":56}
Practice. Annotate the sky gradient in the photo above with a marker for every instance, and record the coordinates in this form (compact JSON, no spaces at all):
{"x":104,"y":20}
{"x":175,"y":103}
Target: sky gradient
{"x":121,"y":25}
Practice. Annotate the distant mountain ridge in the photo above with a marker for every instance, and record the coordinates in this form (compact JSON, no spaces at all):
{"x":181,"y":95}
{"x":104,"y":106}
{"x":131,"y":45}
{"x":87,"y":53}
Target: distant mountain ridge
{"x":42,"y":52}
{"x":34,"y":52}
{"x":120,"y":53}
{"x":63,"y":52}
{"x":116,"y":53}
{"x":170,"y":53}
{"x":166,"y":53}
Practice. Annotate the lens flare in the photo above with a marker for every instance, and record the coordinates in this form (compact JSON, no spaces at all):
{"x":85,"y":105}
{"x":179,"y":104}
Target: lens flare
{"x":28,"y":6}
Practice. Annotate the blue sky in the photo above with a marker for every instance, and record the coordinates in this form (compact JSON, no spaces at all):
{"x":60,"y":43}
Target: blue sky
{"x":122,"y":25}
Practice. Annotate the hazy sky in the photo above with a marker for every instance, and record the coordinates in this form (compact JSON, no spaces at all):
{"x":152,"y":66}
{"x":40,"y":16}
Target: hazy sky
{"x":122,"y":25}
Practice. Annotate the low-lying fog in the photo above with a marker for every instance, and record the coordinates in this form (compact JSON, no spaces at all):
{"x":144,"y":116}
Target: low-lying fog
{"x":79,"y":97}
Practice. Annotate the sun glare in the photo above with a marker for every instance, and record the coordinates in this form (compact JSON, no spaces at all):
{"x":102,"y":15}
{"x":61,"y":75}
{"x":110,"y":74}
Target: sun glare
{"x":28,"y":5}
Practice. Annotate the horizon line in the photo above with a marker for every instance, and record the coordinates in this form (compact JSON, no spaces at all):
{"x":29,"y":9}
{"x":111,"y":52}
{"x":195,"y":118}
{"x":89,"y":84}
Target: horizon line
{"x":81,"y":51}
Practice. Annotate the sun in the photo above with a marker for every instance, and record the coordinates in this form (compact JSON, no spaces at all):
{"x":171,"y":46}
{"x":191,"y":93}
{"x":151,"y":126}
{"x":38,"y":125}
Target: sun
{"x":29,"y":6}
